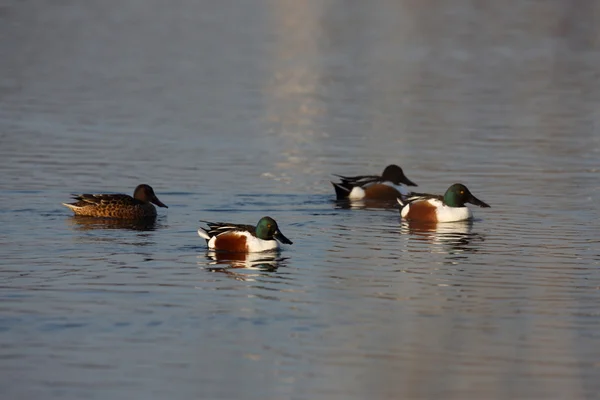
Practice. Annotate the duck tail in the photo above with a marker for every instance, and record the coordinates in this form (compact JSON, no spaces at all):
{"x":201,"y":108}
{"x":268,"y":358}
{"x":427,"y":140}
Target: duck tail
{"x":203,"y":234}
{"x":71,"y":206}
{"x":341,"y":192}
{"x":402,"y":202}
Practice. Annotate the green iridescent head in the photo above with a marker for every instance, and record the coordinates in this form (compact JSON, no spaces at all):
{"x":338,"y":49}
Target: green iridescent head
{"x":458,"y":195}
{"x":267,"y":229}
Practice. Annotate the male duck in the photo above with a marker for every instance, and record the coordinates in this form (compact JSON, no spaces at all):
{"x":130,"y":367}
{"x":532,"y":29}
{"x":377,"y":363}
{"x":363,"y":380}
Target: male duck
{"x":117,"y":205}
{"x":388,"y":186}
{"x":433,"y":208}
{"x":243,"y":238}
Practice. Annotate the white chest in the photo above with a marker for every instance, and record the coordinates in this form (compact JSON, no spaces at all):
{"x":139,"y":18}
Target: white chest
{"x":453,"y":214}
{"x":257,"y":245}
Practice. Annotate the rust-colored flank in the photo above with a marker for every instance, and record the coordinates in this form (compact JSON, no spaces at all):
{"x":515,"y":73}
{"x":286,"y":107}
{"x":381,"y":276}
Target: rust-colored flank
{"x":231,"y":241}
{"x":422,"y":211}
{"x":380,"y":191}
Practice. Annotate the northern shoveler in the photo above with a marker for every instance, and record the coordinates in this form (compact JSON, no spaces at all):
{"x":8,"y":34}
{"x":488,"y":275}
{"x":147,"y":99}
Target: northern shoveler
{"x":243,"y":238}
{"x":434,"y":208}
{"x":388,"y":186}
{"x":117,"y":205}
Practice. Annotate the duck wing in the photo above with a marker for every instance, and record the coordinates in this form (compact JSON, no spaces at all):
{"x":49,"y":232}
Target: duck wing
{"x":218,"y":228}
{"x":101,"y":200}
{"x":361,"y":180}
{"x":411,"y":198}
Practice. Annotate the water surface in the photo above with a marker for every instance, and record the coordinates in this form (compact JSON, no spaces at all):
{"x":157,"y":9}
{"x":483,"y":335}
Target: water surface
{"x":235,"y":111}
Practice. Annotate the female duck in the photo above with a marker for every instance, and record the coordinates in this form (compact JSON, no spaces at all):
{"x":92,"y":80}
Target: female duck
{"x":117,"y":205}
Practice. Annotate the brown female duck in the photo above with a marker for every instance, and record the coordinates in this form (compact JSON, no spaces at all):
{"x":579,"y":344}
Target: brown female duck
{"x":117,"y":205}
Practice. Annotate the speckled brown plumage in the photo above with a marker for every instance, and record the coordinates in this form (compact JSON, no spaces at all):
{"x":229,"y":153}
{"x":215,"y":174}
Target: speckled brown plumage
{"x":117,"y":205}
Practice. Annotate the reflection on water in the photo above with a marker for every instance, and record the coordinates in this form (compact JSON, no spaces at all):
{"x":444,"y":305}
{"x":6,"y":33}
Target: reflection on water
{"x":449,"y":237}
{"x":363,"y":204}
{"x":265,"y":260}
{"x":231,"y":263}
{"x":82,"y":223}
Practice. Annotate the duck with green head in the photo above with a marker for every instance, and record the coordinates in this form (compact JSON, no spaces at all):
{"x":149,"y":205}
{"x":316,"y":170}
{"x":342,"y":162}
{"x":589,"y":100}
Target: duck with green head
{"x":451,"y":207}
{"x":243,"y":238}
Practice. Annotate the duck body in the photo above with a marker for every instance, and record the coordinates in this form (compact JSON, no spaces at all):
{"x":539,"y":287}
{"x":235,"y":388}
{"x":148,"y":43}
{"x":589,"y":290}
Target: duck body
{"x":451,"y":207}
{"x":243,"y":238}
{"x":388,"y":186}
{"x":117,"y":205}
{"x":434,"y":210}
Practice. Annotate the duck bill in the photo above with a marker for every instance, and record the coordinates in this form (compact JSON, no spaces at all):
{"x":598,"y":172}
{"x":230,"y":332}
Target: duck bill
{"x":159,"y":203}
{"x":477,"y":202}
{"x":407,"y":181}
{"x":279,"y":236}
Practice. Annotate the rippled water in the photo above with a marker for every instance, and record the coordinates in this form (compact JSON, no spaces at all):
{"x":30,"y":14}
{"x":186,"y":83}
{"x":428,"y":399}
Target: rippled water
{"x":235,"y":111}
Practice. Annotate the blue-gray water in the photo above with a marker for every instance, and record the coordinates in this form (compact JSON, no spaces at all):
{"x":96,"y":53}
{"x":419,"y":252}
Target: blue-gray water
{"x":235,"y":110}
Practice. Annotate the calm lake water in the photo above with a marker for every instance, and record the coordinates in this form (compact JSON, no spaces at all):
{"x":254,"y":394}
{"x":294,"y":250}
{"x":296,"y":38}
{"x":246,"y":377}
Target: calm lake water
{"x":236,"y":110}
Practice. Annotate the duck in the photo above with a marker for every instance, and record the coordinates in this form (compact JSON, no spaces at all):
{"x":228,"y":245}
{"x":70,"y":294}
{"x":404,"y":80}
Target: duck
{"x":387,"y":186}
{"x":243,"y":238}
{"x":117,"y":205}
{"x":451,"y":207}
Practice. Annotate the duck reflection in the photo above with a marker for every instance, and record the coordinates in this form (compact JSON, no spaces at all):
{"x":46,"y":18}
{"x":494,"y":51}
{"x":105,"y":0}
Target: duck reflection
{"x":364,"y":204}
{"x":451,"y":237}
{"x":243,"y":266}
{"x":83,"y":223}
